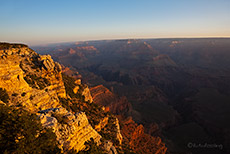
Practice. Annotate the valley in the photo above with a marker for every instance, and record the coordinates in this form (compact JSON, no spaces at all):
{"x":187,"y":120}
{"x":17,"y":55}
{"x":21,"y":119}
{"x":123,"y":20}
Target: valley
{"x":178,"y":89}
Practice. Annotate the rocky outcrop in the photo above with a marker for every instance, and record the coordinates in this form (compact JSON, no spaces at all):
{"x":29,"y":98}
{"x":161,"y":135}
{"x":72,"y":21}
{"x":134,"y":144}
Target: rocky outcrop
{"x":130,"y":132}
{"x":11,"y":75}
{"x":89,"y":48}
{"x":109,"y":148}
{"x":139,"y":141}
{"x":118,"y":132}
{"x":103,"y":96}
{"x":74,"y":74}
{"x":72,"y":130}
{"x":33,"y":81}
{"x":87,"y":95}
{"x":101,"y":124}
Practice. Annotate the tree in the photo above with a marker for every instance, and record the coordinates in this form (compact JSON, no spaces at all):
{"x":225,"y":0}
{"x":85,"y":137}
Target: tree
{"x":21,"y":132}
{"x":4,"y":95}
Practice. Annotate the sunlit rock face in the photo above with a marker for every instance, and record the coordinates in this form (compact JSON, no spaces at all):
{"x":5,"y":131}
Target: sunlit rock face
{"x":72,"y":130}
{"x":140,"y":141}
{"x":87,"y":95}
{"x":31,"y":80}
{"x":35,"y":82}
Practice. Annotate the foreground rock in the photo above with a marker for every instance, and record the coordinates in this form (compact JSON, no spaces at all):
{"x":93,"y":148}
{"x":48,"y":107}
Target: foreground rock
{"x":33,"y":81}
{"x":72,"y":130}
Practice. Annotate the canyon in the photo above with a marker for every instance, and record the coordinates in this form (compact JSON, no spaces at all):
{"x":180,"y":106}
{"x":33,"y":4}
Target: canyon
{"x":34,"y":87}
{"x":177,"y":89}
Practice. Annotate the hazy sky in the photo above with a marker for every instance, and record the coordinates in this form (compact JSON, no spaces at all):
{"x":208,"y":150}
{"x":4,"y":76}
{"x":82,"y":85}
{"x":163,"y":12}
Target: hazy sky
{"x":47,"y":21}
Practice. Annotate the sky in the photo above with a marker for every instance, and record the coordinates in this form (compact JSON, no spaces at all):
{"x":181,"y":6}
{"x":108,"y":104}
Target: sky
{"x":36,"y":22}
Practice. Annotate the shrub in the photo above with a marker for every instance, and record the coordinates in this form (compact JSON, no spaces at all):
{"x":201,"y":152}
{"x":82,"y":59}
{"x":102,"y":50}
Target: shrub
{"x":14,"y":94}
{"x":4,"y":95}
{"x":22,"y":132}
{"x":109,"y":131}
{"x":23,"y":94}
{"x":60,"y":118}
{"x":70,"y":84}
{"x":92,"y":148}
{"x":5,"y":46}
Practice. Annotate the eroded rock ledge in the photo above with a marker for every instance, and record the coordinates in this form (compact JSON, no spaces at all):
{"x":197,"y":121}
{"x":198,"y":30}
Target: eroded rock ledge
{"x":72,"y":130}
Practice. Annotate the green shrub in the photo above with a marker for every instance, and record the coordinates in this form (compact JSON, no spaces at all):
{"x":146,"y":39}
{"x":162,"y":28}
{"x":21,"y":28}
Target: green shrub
{"x":14,"y":94}
{"x":65,"y":103}
{"x":109,"y":131}
{"x":21,"y":132}
{"x":23,"y":94}
{"x":5,"y":46}
{"x":4,"y":95}
{"x":60,"y":118}
{"x":70,"y":84}
{"x":92,"y":148}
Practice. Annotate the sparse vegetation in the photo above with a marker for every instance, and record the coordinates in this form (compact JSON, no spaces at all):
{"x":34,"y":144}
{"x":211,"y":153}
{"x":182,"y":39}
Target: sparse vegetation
{"x":23,"y":94}
{"x":93,"y":111}
{"x":14,"y":94}
{"x":36,"y":63}
{"x":4,"y":95}
{"x":21,"y":132}
{"x":31,"y":97}
{"x":92,"y":148}
{"x":70,"y":84}
{"x":5,"y":46}
{"x":109,"y":131}
{"x":36,"y":82}
{"x":60,"y":118}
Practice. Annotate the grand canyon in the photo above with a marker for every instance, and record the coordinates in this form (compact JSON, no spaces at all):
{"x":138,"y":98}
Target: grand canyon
{"x":176,"y":89}
{"x":115,"y":77}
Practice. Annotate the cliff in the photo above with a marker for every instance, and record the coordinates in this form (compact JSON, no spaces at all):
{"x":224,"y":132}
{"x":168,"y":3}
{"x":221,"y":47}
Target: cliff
{"x":31,"y":79}
{"x":79,"y":120}
{"x":72,"y":130}
{"x":139,"y":141}
{"x":36,"y":83}
{"x":103,"y":96}
{"x":133,"y":135}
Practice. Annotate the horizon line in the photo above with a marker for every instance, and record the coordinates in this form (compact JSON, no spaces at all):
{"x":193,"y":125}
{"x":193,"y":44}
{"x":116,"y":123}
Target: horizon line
{"x":115,"y":39}
{"x":133,"y":38}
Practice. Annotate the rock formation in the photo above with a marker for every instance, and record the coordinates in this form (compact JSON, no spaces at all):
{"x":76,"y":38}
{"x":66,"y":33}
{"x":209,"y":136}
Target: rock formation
{"x":34,"y":82}
{"x":72,"y":130}
{"x":103,"y":96}
{"x":37,"y":84}
{"x":31,"y":79}
{"x":140,"y":141}
{"x":130,"y":133}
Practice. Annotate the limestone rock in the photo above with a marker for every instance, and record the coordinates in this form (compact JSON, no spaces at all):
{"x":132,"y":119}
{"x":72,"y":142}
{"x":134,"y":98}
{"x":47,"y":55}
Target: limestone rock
{"x":78,"y":81}
{"x":1,"y":102}
{"x":72,"y":130}
{"x":47,"y":62}
{"x":75,"y":90}
{"x":102,"y":124}
{"x":139,"y":141}
{"x":109,"y":148}
{"x":31,"y":80}
{"x":35,"y":83}
{"x":103,"y":96}
{"x":118,"y":132}
{"x":11,"y":75}
{"x":87,"y":95}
